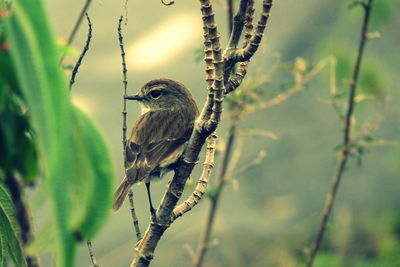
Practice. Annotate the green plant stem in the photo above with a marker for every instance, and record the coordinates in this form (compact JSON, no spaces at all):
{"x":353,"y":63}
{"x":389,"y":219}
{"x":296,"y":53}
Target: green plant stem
{"x":345,"y":151}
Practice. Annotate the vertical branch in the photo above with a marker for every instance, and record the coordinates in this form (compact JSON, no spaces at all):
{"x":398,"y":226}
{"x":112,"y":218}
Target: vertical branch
{"x":23,"y":216}
{"x":208,"y":58}
{"x":218,"y":62}
{"x":236,"y":79}
{"x":205,"y":238}
{"x":125,"y":83}
{"x":76,"y":26}
{"x":134,"y":217}
{"x":345,"y":151}
{"x":85,"y":49}
{"x":124,"y":113}
{"x":230,"y":14}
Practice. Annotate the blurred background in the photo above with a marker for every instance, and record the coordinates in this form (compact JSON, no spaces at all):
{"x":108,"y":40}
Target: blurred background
{"x":269,"y":214}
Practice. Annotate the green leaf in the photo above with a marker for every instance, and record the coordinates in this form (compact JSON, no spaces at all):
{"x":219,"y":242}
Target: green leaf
{"x":46,"y":93}
{"x":63,"y":151}
{"x":76,"y":163}
{"x":3,"y":251}
{"x":9,"y":229}
{"x":99,"y":191}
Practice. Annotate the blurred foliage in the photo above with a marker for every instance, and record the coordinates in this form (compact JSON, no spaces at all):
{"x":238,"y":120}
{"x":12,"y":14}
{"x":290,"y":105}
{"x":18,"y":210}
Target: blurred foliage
{"x":40,"y":127}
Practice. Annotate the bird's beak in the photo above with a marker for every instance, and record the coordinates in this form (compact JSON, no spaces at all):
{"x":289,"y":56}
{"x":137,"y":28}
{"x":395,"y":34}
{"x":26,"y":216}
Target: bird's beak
{"x":134,"y":97}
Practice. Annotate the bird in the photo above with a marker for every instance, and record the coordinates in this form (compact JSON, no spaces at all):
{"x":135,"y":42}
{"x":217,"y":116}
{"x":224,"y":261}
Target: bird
{"x":159,"y":135}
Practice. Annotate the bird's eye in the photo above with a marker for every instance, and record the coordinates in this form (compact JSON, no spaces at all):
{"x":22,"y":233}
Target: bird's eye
{"x":155,"y":94}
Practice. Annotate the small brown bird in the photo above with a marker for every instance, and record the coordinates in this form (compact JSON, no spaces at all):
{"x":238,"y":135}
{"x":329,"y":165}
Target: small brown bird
{"x":159,"y":135}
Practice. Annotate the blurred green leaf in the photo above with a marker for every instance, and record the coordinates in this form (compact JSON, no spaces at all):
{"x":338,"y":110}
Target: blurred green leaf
{"x":383,"y":12}
{"x":328,"y":260}
{"x":67,"y":50}
{"x":355,"y":3}
{"x":70,"y":158}
{"x":18,"y":149}
{"x":9,"y":229}
{"x":46,"y":93}
{"x":373,"y":81}
{"x":286,"y":86}
{"x":344,"y":65}
{"x":198,"y":54}
{"x":99,"y":179}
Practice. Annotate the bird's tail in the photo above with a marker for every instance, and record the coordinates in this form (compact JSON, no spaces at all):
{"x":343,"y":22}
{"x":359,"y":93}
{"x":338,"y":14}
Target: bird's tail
{"x":120,"y":194}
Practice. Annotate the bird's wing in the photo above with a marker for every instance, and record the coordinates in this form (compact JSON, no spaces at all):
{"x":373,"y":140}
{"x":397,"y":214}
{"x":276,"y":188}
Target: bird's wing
{"x":156,"y":140}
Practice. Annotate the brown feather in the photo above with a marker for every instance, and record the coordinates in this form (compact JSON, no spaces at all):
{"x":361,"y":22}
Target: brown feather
{"x":153,"y":145}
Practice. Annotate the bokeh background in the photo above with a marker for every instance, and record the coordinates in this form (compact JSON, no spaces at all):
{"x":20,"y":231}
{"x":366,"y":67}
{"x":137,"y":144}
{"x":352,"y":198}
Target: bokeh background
{"x":270,"y":214}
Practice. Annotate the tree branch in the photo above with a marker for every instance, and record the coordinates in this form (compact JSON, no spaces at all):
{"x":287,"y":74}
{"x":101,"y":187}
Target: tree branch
{"x":76,"y":26}
{"x":201,"y":187}
{"x":85,"y":49}
{"x":246,"y":53}
{"x":124,"y":127}
{"x":204,"y":126}
{"x":233,"y":82}
{"x":345,"y":151}
{"x":91,"y":254}
{"x":204,"y":240}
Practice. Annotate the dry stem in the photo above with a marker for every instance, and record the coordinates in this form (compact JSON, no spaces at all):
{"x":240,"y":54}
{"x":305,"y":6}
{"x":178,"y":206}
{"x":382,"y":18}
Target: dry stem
{"x":347,"y":139}
{"x":91,"y":254}
{"x":85,"y":49}
{"x":76,"y":26}
{"x":124,"y":113}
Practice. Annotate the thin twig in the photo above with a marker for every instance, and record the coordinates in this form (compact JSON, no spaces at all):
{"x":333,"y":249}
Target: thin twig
{"x":345,"y":151}
{"x":124,"y":127}
{"x":85,"y":49}
{"x":297,"y":87}
{"x":125,"y":83}
{"x":257,"y":161}
{"x":76,"y":26}
{"x":91,"y":254}
{"x":134,"y":217}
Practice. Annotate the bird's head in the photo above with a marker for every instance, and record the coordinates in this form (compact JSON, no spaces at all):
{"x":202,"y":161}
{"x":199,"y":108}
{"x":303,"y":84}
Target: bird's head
{"x":164,"y":94}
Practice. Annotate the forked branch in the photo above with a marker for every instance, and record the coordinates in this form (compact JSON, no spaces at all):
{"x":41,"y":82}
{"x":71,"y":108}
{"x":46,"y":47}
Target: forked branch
{"x":206,"y":124}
